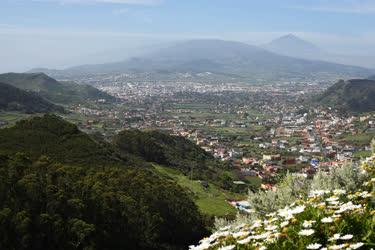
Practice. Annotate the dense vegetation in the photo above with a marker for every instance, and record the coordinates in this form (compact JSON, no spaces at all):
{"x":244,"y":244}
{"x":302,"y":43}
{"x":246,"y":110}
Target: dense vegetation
{"x":62,"y":189}
{"x":52,"y":90}
{"x":164,"y":149}
{"x":208,"y":182}
{"x":51,"y":206}
{"x":176,"y":152}
{"x":350,"y":96}
{"x":14,"y":99}
{"x":63,"y":142}
{"x":59,"y":140}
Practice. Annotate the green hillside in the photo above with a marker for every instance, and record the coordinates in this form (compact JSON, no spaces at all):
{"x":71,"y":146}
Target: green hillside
{"x":170,"y":157}
{"x":211,"y":201}
{"x":53,"y":137}
{"x":164,"y":149}
{"x":62,"y":189}
{"x":14,"y":99}
{"x":52,"y":90}
{"x":355,"y":95}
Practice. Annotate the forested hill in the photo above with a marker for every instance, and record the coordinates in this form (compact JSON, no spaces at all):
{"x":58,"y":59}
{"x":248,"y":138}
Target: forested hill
{"x":14,"y":99}
{"x":355,"y":95}
{"x":53,"y":137}
{"x":174,"y":152}
{"x":60,"y":189}
{"x":159,"y":147}
{"x":52,"y":90}
{"x":63,"y":142}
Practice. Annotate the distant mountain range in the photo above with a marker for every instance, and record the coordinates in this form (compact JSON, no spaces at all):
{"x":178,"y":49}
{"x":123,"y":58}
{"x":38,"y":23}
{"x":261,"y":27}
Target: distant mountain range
{"x":357,"y":96}
{"x":52,"y":90}
{"x":291,"y":45}
{"x":14,"y":99}
{"x":225,"y":57}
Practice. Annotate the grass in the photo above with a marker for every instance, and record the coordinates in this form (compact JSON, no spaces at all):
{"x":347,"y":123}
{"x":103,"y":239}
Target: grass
{"x":254,"y":181}
{"x":10,"y":118}
{"x":293,"y":140}
{"x":359,"y":139}
{"x":362,"y":154}
{"x":76,"y":118}
{"x":227,"y":131}
{"x":211,"y":201}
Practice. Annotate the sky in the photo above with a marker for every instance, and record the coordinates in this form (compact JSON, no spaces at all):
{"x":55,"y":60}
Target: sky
{"x":63,"y":33}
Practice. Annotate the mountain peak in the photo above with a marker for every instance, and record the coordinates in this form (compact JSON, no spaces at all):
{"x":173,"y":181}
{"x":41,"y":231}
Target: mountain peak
{"x":289,"y":36}
{"x":291,"y":39}
{"x":293,"y":45}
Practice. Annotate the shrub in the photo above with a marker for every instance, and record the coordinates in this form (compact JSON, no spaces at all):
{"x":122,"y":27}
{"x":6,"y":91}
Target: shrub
{"x":323,"y":219}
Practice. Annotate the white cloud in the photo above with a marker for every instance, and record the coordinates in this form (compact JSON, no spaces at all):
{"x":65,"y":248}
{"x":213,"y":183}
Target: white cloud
{"x":343,"y":6}
{"x":127,"y":2}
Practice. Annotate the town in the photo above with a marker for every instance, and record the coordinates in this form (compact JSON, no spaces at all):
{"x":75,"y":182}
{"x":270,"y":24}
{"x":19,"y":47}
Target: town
{"x":261,"y":130}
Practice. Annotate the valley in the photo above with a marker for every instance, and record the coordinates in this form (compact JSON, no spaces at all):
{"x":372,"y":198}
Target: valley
{"x":259,"y":132}
{"x":187,"y":125}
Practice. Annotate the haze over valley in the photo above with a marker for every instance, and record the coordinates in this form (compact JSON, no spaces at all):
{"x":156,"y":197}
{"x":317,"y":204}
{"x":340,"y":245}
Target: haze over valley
{"x":200,"y":125}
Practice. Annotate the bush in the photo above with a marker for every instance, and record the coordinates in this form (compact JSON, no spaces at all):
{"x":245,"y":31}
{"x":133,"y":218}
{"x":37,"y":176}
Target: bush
{"x":326,"y":218}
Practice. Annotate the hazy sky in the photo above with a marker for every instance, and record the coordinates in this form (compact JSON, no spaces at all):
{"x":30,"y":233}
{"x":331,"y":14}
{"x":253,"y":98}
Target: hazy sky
{"x":60,"y":33}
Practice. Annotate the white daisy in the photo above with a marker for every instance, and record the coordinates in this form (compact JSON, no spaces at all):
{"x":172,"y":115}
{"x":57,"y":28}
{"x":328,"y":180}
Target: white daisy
{"x":230,"y":247}
{"x":306,"y":232}
{"x":333,"y":198}
{"x":240,"y":234}
{"x":284,"y":223}
{"x":314,"y":246}
{"x":327,"y":220}
{"x":347,"y":237}
{"x":335,"y":237}
{"x":270,"y":228}
{"x":308,"y":223}
{"x":339,"y":191}
{"x":356,"y":245}
{"x":244,"y":241}
{"x":337,"y":247}
{"x":316,"y":193}
{"x":224,"y":228}
{"x":256,"y":224}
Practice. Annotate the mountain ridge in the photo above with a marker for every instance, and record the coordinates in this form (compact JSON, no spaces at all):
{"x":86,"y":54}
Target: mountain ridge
{"x":15,"y":99}
{"x":353,"y":96}
{"x":53,"y":90}
{"x":228,"y":57}
{"x":294,"y":46}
